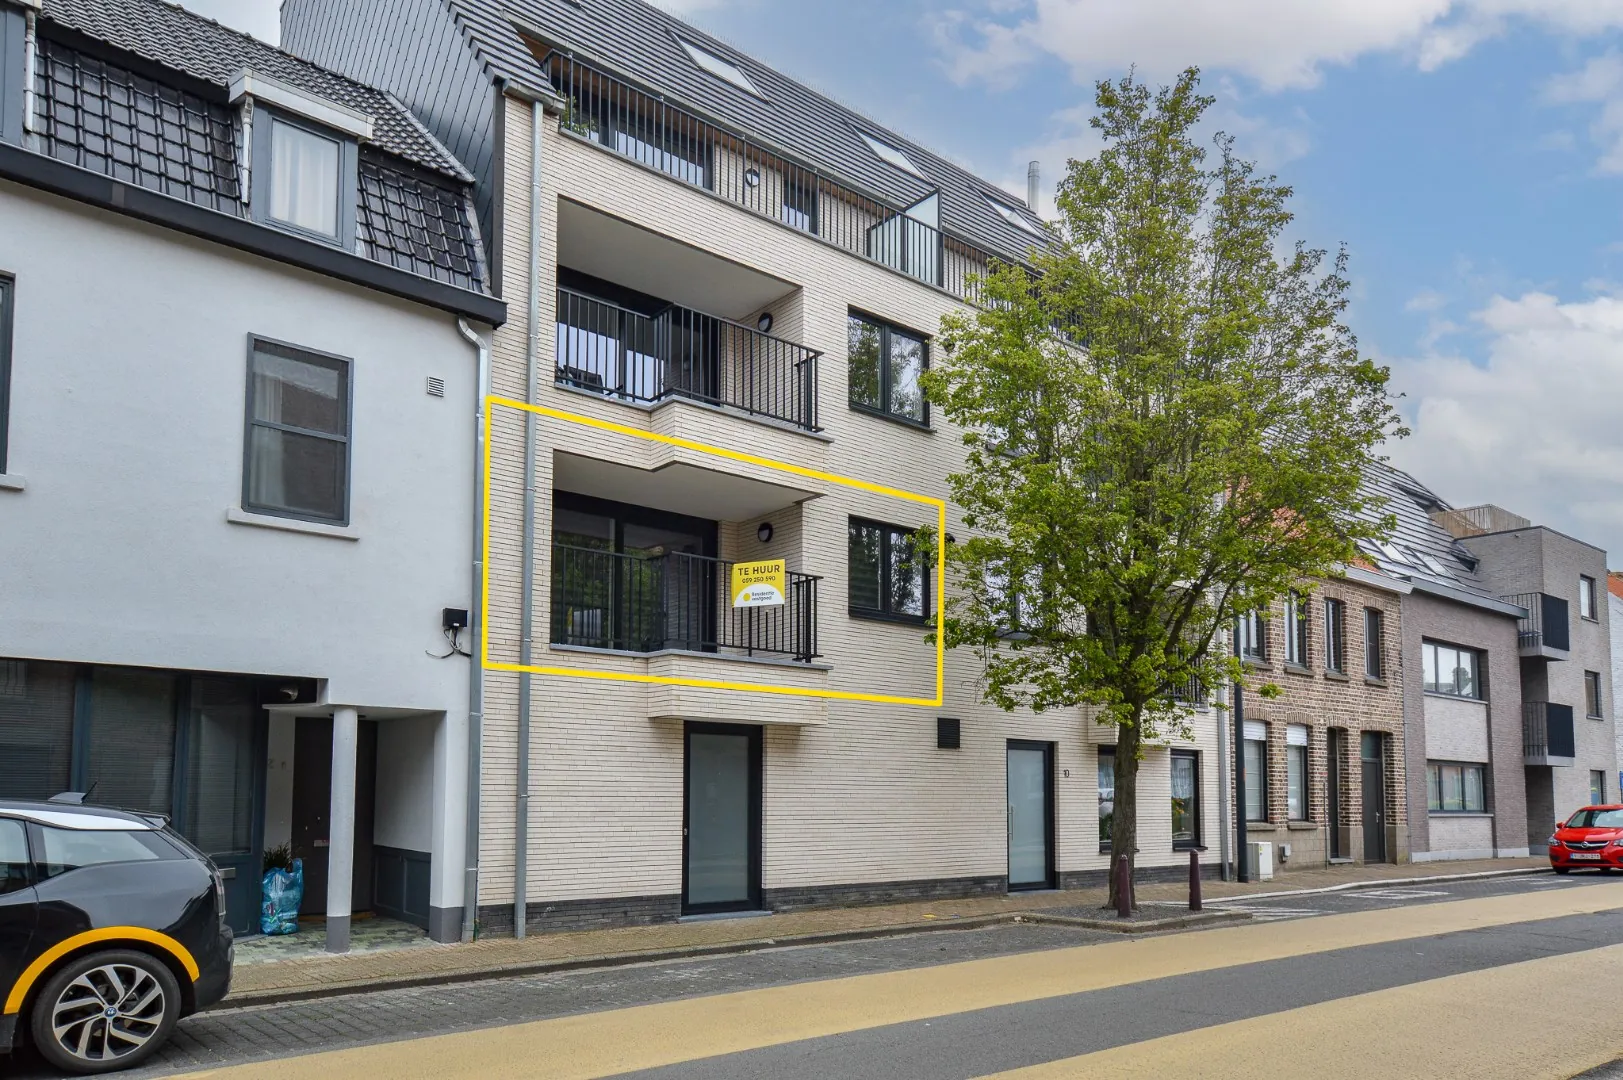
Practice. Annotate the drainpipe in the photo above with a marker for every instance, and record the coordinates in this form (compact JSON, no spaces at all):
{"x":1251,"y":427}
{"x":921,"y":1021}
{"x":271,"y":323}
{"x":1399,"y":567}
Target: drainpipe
{"x":521,"y":829}
{"x":30,"y":66}
{"x":1223,"y":779}
{"x":476,"y":632}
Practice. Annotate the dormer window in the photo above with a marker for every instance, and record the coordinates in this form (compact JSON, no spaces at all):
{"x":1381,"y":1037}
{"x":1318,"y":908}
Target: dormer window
{"x":1013,"y":216}
{"x":890,"y":155}
{"x":304,"y":179}
{"x":721,"y":69}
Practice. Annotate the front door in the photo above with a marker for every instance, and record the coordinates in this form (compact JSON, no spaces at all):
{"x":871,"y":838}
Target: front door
{"x":1031,"y":815}
{"x":721,"y":829}
{"x":1374,"y":798}
{"x":1336,"y":751}
{"x":312,"y":809}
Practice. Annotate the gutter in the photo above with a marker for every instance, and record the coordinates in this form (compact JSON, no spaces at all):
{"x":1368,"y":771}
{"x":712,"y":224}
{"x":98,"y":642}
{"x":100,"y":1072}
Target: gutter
{"x":1500,"y":607}
{"x":476,"y":631}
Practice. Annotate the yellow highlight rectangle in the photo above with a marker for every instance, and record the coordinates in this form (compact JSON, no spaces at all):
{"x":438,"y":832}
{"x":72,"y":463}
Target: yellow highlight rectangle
{"x":492,"y":401}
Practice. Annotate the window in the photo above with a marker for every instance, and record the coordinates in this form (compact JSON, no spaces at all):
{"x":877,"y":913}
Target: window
{"x":1586,"y":597}
{"x":1335,"y":635}
{"x":1450,"y":670}
{"x":297,"y":459}
{"x":800,"y":203}
{"x":1597,"y":788}
{"x":63,"y":850}
{"x":1455,"y":789}
{"x":720,"y":68}
{"x":1185,"y":799}
{"x":1374,"y":643}
{"x":7,"y":288}
{"x":888,"y":578}
{"x":885,"y":364}
{"x":1251,"y":637}
{"x":1592,"y":700}
{"x":304,"y":179}
{"x":14,"y":862}
{"x":1256,"y":771}
{"x":1296,"y":807}
{"x":890,"y":155}
{"x":1107,"y":794}
{"x":1296,"y":629}
{"x":1013,"y":216}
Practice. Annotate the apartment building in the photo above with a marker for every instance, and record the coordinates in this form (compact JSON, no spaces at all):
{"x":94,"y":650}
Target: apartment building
{"x":723,"y":288}
{"x":237,"y":412}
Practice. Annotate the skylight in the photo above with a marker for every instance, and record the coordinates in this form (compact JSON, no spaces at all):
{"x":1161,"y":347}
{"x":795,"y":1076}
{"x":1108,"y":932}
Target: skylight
{"x":721,"y":69}
{"x":1013,"y":216}
{"x":890,"y":154}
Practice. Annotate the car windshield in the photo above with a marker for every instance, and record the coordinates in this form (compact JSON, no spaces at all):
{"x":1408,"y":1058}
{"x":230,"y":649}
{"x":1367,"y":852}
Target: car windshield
{"x":1596,"y":819}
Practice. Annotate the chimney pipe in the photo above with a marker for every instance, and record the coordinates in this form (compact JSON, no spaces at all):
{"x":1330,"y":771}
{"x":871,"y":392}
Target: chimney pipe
{"x":1031,"y":187}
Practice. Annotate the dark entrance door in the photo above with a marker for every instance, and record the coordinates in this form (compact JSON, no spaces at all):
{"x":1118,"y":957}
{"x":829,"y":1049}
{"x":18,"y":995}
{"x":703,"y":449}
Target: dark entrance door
{"x":1336,"y":748}
{"x":1374,"y":797}
{"x":721,"y":826}
{"x":1031,"y":815}
{"x":312,"y":808}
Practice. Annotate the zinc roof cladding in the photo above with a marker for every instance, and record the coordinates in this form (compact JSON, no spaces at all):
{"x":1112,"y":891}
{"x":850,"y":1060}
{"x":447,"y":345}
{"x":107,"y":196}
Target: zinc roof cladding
{"x":641,"y":42}
{"x":165,"y":34}
{"x":1416,"y":534}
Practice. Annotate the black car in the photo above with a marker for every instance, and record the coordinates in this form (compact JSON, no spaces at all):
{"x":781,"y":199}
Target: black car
{"x":112,"y":927}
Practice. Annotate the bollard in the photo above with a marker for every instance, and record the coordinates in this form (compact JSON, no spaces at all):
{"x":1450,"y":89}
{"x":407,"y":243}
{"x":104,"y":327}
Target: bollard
{"x":1194,"y":879}
{"x":1124,"y":889}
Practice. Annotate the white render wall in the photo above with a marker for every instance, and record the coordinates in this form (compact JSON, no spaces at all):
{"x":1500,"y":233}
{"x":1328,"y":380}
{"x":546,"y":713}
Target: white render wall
{"x":864,"y":797}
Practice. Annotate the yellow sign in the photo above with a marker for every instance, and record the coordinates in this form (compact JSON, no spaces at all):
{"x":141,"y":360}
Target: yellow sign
{"x":758,"y":584}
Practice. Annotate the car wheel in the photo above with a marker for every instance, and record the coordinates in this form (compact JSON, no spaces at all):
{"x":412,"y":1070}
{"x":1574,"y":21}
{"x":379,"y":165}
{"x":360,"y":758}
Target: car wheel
{"x":1562,"y":869}
{"x":105,"y":1011}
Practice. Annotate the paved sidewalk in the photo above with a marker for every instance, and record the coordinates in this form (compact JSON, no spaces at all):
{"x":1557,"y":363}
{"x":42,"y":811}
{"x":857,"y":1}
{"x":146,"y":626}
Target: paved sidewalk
{"x":314,"y":976}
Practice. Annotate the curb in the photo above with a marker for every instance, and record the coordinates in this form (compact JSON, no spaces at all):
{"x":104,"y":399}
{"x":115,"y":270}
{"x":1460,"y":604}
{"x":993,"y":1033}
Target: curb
{"x":1348,"y":886}
{"x":253,"y":999}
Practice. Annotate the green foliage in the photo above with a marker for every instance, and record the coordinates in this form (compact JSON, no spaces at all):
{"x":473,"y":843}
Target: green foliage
{"x":1165,"y":427}
{"x":279,"y":857}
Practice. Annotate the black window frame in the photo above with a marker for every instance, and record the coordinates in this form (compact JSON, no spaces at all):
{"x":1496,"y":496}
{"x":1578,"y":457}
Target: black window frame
{"x":1374,"y":643}
{"x":889,"y":532}
{"x":886,"y":329}
{"x":1594,"y":703}
{"x":1195,"y":842}
{"x":1297,"y":637}
{"x":347,"y":440}
{"x":262,"y":174}
{"x":1257,"y":650}
{"x":1590,"y":594}
{"x":1436,"y":806}
{"x":1335,"y":635}
{"x":1104,"y":753}
{"x":8,"y":300}
{"x":1427,"y":686}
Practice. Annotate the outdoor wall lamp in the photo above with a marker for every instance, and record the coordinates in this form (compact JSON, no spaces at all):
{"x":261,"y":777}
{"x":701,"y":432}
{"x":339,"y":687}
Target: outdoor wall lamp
{"x":764,"y":323}
{"x":764,"y":533}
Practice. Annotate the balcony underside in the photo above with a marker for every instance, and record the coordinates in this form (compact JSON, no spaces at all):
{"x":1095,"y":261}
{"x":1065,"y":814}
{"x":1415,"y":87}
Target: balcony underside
{"x":677,"y":487}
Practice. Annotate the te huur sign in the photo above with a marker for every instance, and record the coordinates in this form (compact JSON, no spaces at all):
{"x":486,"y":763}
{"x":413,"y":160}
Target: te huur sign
{"x":758,"y":584}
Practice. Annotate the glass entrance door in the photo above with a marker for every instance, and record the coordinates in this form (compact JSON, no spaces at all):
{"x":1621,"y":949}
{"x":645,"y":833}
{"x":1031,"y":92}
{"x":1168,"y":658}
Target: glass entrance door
{"x":722,"y":819}
{"x":1030,"y":815}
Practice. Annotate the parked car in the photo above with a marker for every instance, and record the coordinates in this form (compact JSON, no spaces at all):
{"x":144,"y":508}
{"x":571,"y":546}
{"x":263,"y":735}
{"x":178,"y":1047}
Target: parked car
{"x":112,"y":927}
{"x":1591,"y":838}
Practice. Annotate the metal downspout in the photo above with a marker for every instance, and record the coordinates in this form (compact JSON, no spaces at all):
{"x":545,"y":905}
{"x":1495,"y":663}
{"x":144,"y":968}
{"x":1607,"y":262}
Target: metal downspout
{"x":476,"y":632}
{"x":521,"y":827}
{"x":1222,"y":711}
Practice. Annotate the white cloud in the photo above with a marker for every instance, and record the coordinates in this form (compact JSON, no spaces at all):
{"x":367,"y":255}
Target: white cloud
{"x":1535,"y":428}
{"x":1599,"y":81}
{"x":1277,"y":43}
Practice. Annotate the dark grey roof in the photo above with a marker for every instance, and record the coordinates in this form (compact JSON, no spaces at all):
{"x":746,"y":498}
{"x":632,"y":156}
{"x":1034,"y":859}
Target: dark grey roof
{"x":639,"y":41}
{"x":1420,"y":550}
{"x":175,"y":38}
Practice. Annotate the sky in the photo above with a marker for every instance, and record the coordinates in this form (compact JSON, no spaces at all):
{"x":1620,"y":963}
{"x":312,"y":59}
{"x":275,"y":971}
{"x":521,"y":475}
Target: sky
{"x":1468,"y":153}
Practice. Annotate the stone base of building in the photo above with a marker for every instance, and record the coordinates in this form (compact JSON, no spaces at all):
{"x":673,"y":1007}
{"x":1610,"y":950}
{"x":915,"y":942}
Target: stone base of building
{"x":858,"y":894}
{"x":1143,"y":875}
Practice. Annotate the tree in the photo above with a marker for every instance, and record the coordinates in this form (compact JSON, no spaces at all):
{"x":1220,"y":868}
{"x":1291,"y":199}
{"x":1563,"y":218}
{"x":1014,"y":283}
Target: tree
{"x":1165,"y":420}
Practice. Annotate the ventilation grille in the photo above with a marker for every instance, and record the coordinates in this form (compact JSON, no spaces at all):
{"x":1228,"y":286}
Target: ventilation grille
{"x":436,"y":386}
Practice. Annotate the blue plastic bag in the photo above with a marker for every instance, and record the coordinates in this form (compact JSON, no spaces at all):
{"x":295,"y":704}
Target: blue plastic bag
{"x":283,"y":891}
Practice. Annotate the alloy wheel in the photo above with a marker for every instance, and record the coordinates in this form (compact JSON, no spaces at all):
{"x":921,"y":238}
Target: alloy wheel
{"x":108,"y":1013}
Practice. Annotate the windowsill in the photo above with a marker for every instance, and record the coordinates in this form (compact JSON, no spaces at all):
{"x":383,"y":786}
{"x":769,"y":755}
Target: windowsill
{"x":1261,"y":826}
{"x":732,"y":658}
{"x":1337,"y":676}
{"x":1302,"y":826}
{"x":1255,"y":663}
{"x":1297,"y":669}
{"x":310,"y":528}
{"x":1459,"y":813}
{"x":884,"y":617}
{"x":904,"y":421}
{"x":1371,"y":680}
{"x":1186,"y":845}
{"x":12,"y":482}
{"x":1454,"y":697}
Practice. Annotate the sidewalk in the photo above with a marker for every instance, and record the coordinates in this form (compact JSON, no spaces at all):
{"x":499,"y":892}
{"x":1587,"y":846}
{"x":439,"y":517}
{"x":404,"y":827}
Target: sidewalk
{"x":427,"y":964}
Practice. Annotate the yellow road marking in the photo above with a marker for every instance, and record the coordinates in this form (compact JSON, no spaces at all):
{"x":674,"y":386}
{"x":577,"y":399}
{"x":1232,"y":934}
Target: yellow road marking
{"x":649,"y":1036}
{"x":1517,"y":1022}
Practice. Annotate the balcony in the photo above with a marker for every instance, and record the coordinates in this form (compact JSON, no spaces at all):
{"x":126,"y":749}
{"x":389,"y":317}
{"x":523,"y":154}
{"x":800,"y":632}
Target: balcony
{"x":645,"y":128}
{"x":1544,"y":631}
{"x":1547,"y":735}
{"x":674,"y":601}
{"x":679,"y":353}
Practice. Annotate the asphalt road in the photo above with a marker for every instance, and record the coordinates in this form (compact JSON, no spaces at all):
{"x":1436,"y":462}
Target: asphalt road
{"x":1488,"y":972}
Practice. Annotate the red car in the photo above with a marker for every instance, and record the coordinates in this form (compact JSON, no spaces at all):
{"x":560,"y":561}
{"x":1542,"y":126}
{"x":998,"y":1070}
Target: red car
{"x":1593,"y":837}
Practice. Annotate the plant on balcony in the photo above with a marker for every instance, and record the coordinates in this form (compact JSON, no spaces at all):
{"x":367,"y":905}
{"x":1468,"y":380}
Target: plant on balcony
{"x":1166,"y":427}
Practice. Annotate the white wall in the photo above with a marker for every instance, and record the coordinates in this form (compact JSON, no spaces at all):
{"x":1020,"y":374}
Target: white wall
{"x":405,"y":790}
{"x":279,"y":781}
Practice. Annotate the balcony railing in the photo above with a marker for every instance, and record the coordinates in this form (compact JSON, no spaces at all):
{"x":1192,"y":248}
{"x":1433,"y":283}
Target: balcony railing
{"x":1547,"y":735}
{"x":646,"y":128}
{"x":1546,"y":626}
{"x":684,"y":354}
{"x":638,"y":603}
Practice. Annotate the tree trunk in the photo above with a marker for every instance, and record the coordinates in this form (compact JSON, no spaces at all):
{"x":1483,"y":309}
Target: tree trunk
{"x":1124,"y":823}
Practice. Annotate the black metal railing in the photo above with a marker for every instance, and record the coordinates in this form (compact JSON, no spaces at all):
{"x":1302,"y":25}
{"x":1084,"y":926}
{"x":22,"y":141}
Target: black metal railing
{"x":1546,"y":624}
{"x":646,"y":603}
{"x":684,"y":354}
{"x":1547,"y":730}
{"x":645,"y":127}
